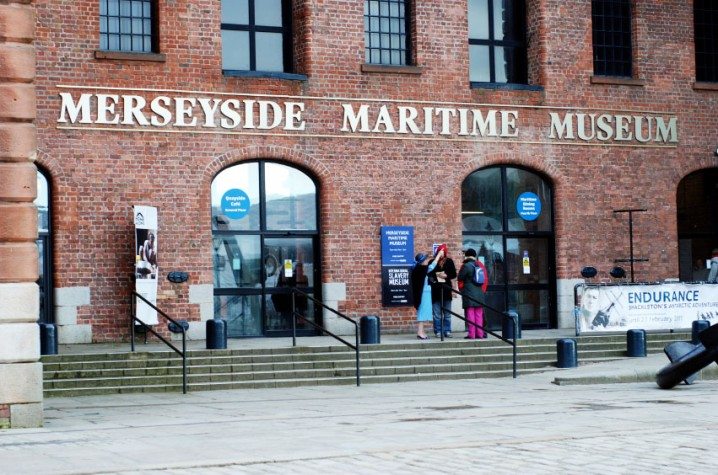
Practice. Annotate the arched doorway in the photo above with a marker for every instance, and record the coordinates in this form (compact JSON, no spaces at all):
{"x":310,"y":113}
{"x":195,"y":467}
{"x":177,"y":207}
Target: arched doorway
{"x":697,"y":204}
{"x":44,"y":247}
{"x":507,"y":217}
{"x":265,"y":241}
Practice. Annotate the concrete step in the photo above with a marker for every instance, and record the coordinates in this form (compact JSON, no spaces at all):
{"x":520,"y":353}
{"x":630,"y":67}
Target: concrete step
{"x":72,"y":375}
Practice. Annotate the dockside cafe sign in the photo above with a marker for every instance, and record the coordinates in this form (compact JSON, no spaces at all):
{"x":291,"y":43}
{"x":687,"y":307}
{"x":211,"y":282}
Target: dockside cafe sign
{"x":226,"y":113}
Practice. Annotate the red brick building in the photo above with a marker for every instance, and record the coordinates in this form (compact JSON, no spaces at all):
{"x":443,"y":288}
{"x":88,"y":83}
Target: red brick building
{"x":517,"y":129}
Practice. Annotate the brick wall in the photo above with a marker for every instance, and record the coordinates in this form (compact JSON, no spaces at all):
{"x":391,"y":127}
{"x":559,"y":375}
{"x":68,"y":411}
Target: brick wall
{"x":97,"y":176}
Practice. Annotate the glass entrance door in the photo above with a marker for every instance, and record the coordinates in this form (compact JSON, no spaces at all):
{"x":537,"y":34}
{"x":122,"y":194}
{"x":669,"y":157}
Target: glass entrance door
{"x":507,"y":220}
{"x":265,"y":242}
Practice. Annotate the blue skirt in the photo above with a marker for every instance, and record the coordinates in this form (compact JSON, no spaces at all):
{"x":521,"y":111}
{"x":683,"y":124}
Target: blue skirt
{"x":423,"y":313}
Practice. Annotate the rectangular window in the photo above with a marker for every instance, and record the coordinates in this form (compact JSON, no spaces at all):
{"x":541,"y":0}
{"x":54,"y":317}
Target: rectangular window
{"x":611,"y":37}
{"x":256,"y":35}
{"x":497,"y":41}
{"x":128,"y":26}
{"x":705,"y":18}
{"x":386,"y":36}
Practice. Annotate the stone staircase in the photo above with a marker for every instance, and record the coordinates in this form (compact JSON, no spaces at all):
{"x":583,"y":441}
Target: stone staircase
{"x":157,"y":371}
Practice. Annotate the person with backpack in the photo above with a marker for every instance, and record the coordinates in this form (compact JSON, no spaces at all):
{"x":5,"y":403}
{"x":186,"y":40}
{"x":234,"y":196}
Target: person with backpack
{"x":473,"y":281}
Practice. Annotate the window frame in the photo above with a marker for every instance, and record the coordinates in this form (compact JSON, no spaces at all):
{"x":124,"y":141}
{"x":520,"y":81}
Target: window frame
{"x":613,"y":67}
{"x":518,"y":43}
{"x":253,"y":29}
{"x":706,"y":68}
{"x":153,"y":35}
{"x":406,"y":48}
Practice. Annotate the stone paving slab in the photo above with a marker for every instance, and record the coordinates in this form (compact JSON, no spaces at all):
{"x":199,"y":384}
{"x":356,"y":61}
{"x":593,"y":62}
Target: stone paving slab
{"x":475,"y":426}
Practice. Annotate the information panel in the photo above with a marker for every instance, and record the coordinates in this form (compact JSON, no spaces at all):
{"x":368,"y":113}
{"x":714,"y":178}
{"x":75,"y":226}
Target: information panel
{"x":397,"y":249}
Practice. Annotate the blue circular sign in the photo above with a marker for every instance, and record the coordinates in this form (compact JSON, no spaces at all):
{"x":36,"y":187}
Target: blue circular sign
{"x":235,"y":204}
{"x":528,"y":206}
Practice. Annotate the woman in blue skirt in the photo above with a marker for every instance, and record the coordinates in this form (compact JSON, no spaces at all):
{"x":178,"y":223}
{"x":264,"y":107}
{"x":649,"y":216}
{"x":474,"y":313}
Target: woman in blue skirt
{"x":422,"y":292}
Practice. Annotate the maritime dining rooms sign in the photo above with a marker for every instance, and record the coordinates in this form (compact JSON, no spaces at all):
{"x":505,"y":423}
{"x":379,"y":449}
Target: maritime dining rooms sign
{"x":156,"y":111}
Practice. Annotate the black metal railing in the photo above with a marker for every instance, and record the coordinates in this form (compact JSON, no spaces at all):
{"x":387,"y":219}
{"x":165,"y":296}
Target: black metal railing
{"x":510,"y":315}
{"x":296,"y":315}
{"x":182,"y":353}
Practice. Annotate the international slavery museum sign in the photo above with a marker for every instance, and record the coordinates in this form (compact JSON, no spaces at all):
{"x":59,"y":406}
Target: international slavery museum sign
{"x":116,"y":109}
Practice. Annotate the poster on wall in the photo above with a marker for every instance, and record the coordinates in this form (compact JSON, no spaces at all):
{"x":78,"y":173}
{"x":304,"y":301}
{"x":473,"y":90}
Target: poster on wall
{"x":612,"y":308}
{"x":146,"y":270}
{"x":397,"y":256}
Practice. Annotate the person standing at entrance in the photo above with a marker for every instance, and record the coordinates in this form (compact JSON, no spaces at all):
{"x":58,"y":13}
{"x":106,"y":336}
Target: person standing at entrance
{"x":422,"y":292}
{"x":713,"y":274}
{"x":474,"y":294}
{"x":441,"y":284}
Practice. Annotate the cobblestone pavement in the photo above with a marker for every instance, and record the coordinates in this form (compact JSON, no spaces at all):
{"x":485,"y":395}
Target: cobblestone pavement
{"x":500,"y":426}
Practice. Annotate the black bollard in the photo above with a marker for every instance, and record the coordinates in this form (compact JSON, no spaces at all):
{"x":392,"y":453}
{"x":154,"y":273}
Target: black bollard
{"x":511,"y":326}
{"x":370,"y":329}
{"x":636,"y":343}
{"x":692,"y":362}
{"x":566,"y":353}
{"x":48,"y":339}
{"x":216,"y":334}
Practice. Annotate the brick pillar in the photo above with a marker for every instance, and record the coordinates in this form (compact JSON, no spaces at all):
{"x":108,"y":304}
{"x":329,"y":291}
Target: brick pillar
{"x":20,"y":368}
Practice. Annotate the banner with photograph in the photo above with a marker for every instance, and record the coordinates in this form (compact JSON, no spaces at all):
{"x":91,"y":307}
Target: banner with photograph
{"x":612,"y":308}
{"x":146,"y":270}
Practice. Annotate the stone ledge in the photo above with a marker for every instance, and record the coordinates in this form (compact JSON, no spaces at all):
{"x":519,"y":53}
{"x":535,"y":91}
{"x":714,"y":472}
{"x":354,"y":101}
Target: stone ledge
{"x":72,"y":296}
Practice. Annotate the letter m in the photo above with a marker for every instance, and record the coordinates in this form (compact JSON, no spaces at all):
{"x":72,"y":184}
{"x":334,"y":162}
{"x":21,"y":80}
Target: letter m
{"x":354,"y":120}
{"x":560,"y":128}
{"x":69,"y":108}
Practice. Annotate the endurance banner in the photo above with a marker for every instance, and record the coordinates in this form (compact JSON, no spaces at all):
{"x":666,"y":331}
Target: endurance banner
{"x":146,"y":270}
{"x":611,"y":308}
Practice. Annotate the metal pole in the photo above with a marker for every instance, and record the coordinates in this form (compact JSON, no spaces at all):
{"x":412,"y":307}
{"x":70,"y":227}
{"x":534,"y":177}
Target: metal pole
{"x":441,"y":315}
{"x":356,"y":342}
{"x":294,"y":319}
{"x":516,"y":334}
{"x":132,"y":322}
{"x":630,"y":237}
{"x":184,"y":361}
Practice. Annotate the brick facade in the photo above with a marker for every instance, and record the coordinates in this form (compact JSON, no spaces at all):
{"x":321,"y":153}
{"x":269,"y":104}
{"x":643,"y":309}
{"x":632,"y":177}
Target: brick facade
{"x":96,"y":176}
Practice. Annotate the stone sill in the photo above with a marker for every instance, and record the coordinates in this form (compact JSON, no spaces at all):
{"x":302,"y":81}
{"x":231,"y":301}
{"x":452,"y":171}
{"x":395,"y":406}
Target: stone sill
{"x":705,"y":86}
{"x":617,"y":81}
{"x":127,"y":56}
{"x":386,"y":69}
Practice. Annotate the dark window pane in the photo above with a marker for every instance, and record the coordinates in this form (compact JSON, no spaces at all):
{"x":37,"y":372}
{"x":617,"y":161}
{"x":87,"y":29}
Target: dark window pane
{"x":497,"y":41}
{"x":237,"y":261}
{"x":612,"y":50}
{"x":127,"y":19}
{"x":481,"y":209}
{"x":489,"y":250}
{"x":385,"y":27}
{"x":705,"y":14}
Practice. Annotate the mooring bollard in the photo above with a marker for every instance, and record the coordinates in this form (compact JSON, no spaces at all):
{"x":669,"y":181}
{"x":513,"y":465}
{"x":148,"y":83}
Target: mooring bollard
{"x":697,"y":359}
{"x":696,"y":327}
{"x":566,"y":353}
{"x":636,"y":343}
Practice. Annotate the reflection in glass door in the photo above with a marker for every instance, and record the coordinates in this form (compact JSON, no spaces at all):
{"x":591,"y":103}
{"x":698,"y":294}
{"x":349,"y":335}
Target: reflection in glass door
{"x":507,"y":219}
{"x":265,"y":242}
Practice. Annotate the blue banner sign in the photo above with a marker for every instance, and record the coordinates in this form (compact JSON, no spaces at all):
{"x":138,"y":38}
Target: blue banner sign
{"x":397,"y":245}
{"x":528,"y":206}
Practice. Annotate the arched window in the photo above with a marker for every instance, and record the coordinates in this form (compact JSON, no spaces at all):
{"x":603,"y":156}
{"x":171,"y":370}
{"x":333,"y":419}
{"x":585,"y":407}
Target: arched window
{"x":507,"y":217}
{"x":697,"y":203}
{"x":44,"y":246}
{"x":265,"y":241}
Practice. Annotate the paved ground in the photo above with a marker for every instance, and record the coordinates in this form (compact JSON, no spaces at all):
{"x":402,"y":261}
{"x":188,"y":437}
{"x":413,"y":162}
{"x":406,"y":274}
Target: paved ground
{"x":497,"y":426}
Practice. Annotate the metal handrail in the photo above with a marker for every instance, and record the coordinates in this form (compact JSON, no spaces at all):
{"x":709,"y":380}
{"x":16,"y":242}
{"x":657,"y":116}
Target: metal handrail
{"x":182,"y":353}
{"x":296,"y":314}
{"x":504,"y":314}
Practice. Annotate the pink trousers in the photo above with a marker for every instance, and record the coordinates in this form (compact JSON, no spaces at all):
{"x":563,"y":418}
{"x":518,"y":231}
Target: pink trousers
{"x":476,"y":315}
